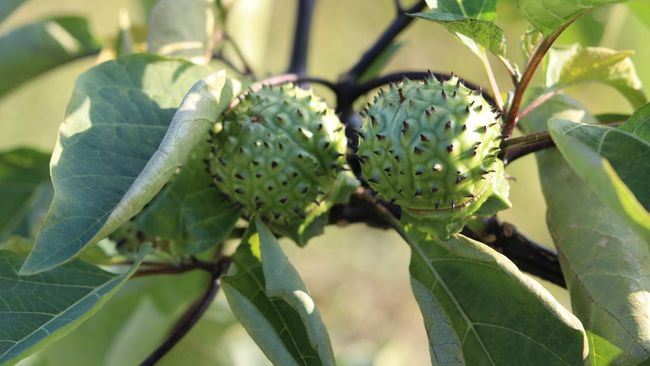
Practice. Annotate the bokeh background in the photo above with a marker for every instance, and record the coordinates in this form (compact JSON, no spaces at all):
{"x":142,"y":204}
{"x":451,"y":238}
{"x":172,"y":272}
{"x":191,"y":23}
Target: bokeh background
{"x":358,"y":275}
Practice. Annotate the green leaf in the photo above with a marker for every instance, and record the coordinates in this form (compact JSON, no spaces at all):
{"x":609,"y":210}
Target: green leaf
{"x":117,"y":148}
{"x":639,"y":123}
{"x":190,"y":210}
{"x":485,"y":33}
{"x":575,"y":64}
{"x":24,"y":185}
{"x":549,"y":15}
{"x":604,"y":261}
{"x":188,"y":33}
{"x":270,"y":300}
{"x":37,"y":47}
{"x":38,"y":309}
{"x":9,"y":6}
{"x":479,"y":309}
{"x":380,"y":62}
{"x":590,"y":150}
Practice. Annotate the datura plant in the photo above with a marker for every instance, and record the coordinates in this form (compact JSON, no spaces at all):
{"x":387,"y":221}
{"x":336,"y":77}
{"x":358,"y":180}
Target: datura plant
{"x":175,"y":156}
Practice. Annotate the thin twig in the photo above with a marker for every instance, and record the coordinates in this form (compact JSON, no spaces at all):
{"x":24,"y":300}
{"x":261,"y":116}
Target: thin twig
{"x":526,"y":254}
{"x":190,"y":317}
{"x":494,"y":86}
{"x":526,"y":78}
{"x":247,"y":68}
{"x":514,"y":148}
{"x":503,"y":237}
{"x":396,"y":27}
{"x":300,"y":50}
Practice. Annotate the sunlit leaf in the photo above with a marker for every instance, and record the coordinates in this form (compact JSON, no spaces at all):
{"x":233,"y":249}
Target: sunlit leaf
{"x":575,"y":64}
{"x":9,"y":6}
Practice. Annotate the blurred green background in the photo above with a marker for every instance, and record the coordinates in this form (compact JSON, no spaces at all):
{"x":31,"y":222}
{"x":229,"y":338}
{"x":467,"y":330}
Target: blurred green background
{"x":358,"y":275}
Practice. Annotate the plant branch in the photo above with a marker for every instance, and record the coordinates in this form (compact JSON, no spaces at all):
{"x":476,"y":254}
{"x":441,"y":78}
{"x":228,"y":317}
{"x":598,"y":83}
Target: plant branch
{"x":503,"y":237}
{"x":299,"y":53}
{"x":494,"y":86}
{"x":191,"y":316}
{"x":526,"y":78}
{"x":395,"y":28}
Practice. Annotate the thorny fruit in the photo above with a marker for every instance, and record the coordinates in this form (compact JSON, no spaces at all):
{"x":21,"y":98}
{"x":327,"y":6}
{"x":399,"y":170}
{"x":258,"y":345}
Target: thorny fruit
{"x":278,"y":153}
{"x":431,"y":147}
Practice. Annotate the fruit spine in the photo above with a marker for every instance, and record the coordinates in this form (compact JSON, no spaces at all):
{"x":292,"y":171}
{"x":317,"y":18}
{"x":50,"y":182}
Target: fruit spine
{"x":431,"y":147}
{"x":277,"y":153}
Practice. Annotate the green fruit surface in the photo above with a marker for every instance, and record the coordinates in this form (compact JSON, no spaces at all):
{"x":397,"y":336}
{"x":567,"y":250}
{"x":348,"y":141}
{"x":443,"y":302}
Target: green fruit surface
{"x":277,"y":153}
{"x":431,"y":147}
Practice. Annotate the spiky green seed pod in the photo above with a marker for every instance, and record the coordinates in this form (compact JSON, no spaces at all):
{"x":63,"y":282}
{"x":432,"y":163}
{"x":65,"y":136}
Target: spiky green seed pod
{"x":278,"y":153}
{"x":431,"y":147}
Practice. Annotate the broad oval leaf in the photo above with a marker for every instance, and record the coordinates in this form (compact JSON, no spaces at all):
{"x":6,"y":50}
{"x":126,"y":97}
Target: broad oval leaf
{"x":184,"y":29}
{"x":605,"y":262}
{"x":24,"y":184}
{"x":117,"y":148}
{"x":477,"y":9}
{"x":479,"y":309}
{"x":590,"y":149}
{"x":549,"y":15}
{"x":35,"y":48}
{"x":268,"y":297}
{"x":39,"y":309}
{"x":575,"y":64}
